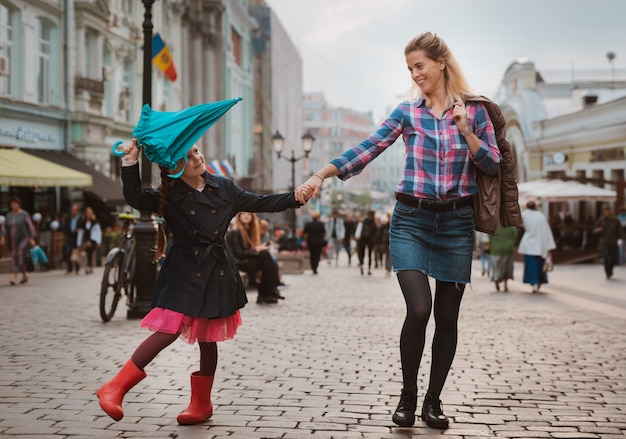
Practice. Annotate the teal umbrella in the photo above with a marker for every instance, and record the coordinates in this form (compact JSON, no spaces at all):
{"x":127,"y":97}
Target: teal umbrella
{"x":166,"y":137}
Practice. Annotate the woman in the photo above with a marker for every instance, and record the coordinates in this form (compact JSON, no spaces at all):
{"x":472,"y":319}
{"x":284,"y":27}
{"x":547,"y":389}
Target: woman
{"x":20,"y":237}
{"x":502,"y":248}
{"x":366,"y":231}
{"x":432,"y":227}
{"x":315,"y":234}
{"x":92,"y":237}
{"x":198,"y":292}
{"x":253,"y":256}
{"x":536,"y":245}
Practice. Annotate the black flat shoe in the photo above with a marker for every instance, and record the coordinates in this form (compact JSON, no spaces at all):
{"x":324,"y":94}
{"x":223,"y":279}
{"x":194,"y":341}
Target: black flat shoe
{"x":404,"y":416}
{"x":266,"y":299}
{"x":432,"y":413}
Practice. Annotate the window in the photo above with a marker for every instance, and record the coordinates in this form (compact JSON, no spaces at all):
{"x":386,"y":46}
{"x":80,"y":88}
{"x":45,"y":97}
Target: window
{"x":44,"y":52}
{"x":91,"y":61}
{"x":6,"y":48}
{"x":124,"y":102}
{"x":235,"y":42}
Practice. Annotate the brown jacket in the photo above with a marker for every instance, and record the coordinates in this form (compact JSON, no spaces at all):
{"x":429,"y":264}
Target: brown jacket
{"x":497,"y":198}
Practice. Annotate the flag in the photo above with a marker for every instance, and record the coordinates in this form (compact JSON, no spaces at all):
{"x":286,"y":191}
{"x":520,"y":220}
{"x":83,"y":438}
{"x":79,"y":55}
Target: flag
{"x":214,"y":168}
{"x":228,"y":168}
{"x":162,"y":57}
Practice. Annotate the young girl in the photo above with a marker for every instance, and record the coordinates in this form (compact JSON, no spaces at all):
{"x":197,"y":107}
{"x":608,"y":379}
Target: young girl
{"x":198,"y":292}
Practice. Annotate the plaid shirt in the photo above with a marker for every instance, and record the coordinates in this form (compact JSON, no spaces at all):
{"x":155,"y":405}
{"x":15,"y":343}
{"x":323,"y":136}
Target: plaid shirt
{"x":438,"y":164}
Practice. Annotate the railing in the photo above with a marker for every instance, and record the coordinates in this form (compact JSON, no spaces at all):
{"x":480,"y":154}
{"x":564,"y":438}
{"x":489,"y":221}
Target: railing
{"x":93,"y":86}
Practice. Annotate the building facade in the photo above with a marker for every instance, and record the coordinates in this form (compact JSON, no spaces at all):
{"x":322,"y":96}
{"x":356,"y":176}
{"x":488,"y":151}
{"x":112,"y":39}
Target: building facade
{"x":567,"y":125}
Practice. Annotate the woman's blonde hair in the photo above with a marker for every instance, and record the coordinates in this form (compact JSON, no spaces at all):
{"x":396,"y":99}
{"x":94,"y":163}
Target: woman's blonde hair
{"x":251,"y":232}
{"x":435,"y":48}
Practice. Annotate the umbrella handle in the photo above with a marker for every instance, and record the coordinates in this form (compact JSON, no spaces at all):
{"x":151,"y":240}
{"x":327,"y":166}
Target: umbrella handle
{"x":116,"y":152}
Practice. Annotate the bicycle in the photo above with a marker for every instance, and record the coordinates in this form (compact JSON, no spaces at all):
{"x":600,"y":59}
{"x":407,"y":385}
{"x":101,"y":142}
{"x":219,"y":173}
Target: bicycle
{"x":119,"y":271}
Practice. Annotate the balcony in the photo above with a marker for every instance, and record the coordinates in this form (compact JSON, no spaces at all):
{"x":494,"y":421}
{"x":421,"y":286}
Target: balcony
{"x":93,"y":86}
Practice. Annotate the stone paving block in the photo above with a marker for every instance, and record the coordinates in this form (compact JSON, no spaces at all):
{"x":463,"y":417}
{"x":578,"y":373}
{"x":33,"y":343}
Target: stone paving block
{"x":523,"y":361}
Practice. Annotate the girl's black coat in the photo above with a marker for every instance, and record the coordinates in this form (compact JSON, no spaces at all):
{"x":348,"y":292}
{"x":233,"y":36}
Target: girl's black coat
{"x":199,"y":277}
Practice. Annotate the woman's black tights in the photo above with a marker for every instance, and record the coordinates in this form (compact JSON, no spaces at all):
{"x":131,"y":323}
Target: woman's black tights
{"x":418,"y":298}
{"x":155,"y":343}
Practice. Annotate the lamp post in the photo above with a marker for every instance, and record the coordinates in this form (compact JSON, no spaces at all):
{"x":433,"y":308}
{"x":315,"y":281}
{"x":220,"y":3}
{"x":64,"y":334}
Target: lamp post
{"x":278,"y":142}
{"x":144,"y":231}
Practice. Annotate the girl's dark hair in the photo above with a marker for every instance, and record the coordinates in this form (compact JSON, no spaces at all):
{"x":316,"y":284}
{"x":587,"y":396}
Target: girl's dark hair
{"x":161,"y":243}
{"x":16,"y":199}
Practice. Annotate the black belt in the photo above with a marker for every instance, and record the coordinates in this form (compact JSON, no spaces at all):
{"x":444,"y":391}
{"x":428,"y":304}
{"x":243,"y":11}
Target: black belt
{"x":432,"y":205}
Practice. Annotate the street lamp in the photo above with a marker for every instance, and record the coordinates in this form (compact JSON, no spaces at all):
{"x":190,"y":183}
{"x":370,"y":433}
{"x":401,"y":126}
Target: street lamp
{"x":278,"y":142}
{"x":144,"y":231}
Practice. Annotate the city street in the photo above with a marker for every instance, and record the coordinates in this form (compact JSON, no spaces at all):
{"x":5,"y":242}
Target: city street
{"x":324,"y":363}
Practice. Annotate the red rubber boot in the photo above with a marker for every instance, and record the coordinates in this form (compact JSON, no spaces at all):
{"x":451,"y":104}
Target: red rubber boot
{"x":112,"y":393}
{"x":200,"y":408}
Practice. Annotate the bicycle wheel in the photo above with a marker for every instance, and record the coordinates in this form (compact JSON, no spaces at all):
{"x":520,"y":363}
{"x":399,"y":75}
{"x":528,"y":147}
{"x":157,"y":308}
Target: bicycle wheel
{"x":110,"y":288}
{"x":129,"y":286}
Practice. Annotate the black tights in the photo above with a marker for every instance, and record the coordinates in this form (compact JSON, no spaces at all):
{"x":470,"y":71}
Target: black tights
{"x":155,"y":343}
{"x":417,"y":294}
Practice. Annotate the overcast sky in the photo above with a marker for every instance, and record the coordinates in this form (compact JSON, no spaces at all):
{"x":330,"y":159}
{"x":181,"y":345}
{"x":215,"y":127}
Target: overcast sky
{"x":352,"y":50}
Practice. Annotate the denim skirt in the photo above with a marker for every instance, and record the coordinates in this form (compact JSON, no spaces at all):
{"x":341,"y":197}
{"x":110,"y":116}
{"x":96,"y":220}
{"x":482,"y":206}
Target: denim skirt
{"x":439,"y":244}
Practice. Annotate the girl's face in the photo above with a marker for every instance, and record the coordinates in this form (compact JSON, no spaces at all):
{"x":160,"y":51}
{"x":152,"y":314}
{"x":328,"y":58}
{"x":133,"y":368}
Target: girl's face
{"x":195,"y":163}
{"x":245,"y":217}
{"x":425,"y":72}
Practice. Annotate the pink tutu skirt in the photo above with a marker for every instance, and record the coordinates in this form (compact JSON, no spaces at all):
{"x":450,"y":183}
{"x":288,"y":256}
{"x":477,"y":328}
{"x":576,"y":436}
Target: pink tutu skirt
{"x":192,"y":328}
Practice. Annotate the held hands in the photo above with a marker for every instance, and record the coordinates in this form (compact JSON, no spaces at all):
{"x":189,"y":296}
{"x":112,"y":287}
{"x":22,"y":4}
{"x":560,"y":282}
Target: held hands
{"x":316,"y":181}
{"x":304,"y":192}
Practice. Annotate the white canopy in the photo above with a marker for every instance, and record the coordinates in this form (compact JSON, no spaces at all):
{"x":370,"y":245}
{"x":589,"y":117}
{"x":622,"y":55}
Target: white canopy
{"x":559,"y":190}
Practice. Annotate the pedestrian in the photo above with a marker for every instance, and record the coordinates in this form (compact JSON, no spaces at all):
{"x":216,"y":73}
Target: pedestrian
{"x":482,"y":247}
{"x":431,"y":233}
{"x":502,"y":249}
{"x":366,"y":241}
{"x":92,"y":237}
{"x":622,"y":219}
{"x":609,"y":229}
{"x":349,"y":226}
{"x":253,"y":257}
{"x":383,"y":239}
{"x":73,"y":231}
{"x":198,"y":292}
{"x":536,"y":245}
{"x":315,"y":235}
{"x":19,"y":235}
{"x":335,"y":232}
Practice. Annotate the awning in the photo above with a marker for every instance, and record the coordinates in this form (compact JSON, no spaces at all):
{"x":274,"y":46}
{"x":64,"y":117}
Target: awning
{"x":20,"y":169}
{"x":559,"y":190}
{"x":103,"y":188}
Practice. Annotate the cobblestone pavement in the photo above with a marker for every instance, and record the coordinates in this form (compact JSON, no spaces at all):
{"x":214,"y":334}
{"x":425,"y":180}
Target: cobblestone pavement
{"x":324,"y":363}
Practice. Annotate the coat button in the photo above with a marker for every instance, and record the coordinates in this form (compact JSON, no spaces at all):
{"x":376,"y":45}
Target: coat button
{"x":196,"y":252}
{"x":198,"y":274}
{"x":195,"y":232}
{"x":192,"y":212}
{"x":213,"y":210}
{"x":221,"y":272}
{"x":216,"y":231}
